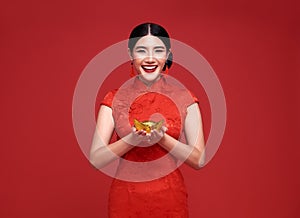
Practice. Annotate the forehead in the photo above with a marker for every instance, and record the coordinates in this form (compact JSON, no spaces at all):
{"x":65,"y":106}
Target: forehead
{"x":149,"y":41}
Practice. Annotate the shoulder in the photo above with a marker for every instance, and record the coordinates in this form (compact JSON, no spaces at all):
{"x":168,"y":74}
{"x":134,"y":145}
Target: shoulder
{"x":108,"y":98}
{"x":194,"y":97}
{"x":185,"y":95}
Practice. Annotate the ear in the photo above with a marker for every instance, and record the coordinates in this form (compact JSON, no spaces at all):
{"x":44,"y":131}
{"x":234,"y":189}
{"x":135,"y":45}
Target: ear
{"x":130,"y":55}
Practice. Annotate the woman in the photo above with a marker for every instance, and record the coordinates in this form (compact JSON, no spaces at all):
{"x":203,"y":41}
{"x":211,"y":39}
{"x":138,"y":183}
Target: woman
{"x":156,"y":190}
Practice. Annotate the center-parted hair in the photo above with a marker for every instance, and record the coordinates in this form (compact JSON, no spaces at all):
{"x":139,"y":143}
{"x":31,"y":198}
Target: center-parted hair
{"x":154,"y":30}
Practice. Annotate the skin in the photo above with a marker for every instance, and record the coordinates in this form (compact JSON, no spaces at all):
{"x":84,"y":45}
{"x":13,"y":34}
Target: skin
{"x":148,"y":53}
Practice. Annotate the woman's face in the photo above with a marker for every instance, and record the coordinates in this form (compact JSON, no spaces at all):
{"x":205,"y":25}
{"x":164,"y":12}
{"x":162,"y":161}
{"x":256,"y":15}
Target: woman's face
{"x":149,"y":56}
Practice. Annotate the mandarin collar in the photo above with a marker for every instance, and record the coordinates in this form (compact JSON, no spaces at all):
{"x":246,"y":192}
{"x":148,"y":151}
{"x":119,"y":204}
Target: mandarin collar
{"x":158,"y":85}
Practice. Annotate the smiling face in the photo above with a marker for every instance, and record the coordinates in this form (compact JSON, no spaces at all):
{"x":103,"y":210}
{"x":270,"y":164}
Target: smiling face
{"x":149,"y":56}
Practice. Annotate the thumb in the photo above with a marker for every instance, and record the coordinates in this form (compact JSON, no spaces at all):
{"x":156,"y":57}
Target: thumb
{"x":164,"y":129}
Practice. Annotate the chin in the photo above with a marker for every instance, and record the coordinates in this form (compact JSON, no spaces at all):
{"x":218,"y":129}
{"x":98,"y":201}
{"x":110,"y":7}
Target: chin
{"x":149,"y":77}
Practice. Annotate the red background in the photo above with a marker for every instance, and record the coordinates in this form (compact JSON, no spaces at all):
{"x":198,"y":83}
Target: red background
{"x":253,"y":47}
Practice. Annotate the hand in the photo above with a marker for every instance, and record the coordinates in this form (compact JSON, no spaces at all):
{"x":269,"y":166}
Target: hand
{"x":136,"y":138}
{"x":156,"y":135}
{"x":143,"y":139}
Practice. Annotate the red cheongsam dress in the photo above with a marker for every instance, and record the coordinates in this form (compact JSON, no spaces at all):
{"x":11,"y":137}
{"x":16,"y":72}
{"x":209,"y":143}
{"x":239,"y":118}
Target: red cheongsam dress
{"x":163,"y":196}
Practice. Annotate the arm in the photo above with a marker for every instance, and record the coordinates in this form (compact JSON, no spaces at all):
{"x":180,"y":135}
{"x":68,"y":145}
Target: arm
{"x":195,"y":140}
{"x":101,"y":152}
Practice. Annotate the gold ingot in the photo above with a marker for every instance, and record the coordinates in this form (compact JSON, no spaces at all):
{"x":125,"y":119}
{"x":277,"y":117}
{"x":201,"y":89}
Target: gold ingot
{"x":147,"y":125}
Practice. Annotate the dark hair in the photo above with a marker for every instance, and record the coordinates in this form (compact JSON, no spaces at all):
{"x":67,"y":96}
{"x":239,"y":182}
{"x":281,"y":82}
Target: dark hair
{"x":154,"y":30}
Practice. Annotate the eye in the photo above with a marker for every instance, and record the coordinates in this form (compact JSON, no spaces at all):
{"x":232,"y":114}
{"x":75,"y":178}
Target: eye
{"x":140,"y":51}
{"x":159,"y":50}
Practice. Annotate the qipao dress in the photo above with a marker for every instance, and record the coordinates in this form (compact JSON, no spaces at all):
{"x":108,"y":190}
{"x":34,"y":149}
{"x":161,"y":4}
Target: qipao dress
{"x":156,"y":189}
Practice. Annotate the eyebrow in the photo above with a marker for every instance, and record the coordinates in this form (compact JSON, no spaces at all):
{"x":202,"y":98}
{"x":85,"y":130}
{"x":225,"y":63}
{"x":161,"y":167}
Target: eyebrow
{"x":156,"y":47}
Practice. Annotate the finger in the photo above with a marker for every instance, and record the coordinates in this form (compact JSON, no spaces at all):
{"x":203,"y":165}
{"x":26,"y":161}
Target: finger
{"x":157,"y":134}
{"x":140,"y":132}
{"x":164,"y":129}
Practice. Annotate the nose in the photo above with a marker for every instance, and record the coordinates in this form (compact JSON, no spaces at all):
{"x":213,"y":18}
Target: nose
{"x":150,"y":58}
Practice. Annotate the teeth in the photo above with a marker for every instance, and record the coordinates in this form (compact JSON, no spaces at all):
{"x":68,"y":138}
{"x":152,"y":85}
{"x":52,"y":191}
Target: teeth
{"x":149,"y":67}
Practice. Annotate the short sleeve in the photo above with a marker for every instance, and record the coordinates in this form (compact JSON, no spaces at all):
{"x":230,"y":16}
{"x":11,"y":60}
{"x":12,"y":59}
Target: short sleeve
{"x":195,"y":99}
{"x":108,"y":99}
